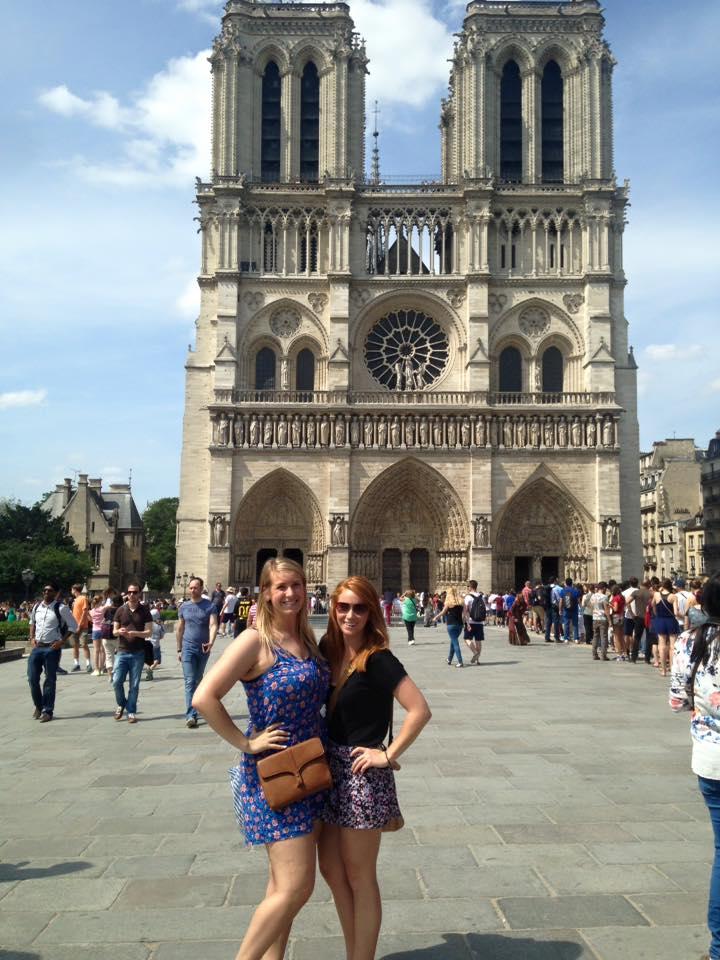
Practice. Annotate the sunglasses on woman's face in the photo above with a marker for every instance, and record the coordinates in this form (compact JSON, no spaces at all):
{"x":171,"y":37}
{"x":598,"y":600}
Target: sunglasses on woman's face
{"x":360,"y":609}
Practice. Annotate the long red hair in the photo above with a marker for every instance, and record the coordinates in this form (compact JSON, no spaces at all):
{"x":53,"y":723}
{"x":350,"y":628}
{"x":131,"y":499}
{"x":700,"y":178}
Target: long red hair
{"x":376,"y":635}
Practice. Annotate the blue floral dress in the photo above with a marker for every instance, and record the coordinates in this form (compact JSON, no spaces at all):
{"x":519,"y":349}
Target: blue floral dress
{"x":292,"y":693}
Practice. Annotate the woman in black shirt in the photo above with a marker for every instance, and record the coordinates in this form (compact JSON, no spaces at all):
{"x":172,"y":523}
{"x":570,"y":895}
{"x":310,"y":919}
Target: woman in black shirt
{"x":366,"y":679}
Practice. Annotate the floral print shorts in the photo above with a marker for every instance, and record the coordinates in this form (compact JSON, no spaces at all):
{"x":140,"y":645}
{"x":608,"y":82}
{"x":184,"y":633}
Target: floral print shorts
{"x":362,"y":801}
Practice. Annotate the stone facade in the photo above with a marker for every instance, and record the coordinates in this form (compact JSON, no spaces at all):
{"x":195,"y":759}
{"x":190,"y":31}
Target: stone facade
{"x":422,"y":382}
{"x":106,"y":524}
{"x":710,"y":479}
{"x":670,"y":499}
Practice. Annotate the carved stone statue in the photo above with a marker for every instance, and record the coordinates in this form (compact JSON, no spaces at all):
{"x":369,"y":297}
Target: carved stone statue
{"x":549,"y":433}
{"x":399,"y":378}
{"x":338,"y":530}
{"x":368,"y":432}
{"x":521,"y":432}
{"x":324,"y":432}
{"x":465,"y":432}
{"x":282,"y":432}
{"x":395,"y":432}
{"x":424,"y":431}
{"x":494,"y":431}
{"x":354,"y":432}
{"x":382,"y":433}
{"x":608,"y":433}
{"x":410,"y":432}
{"x":218,"y":531}
{"x":480,"y":432}
{"x":284,"y":374}
{"x":409,"y":374}
{"x":562,"y":432}
{"x":239,"y":431}
{"x":437,"y":432}
{"x":481,"y":531}
{"x":339,"y":432}
{"x":452,"y":432}
{"x":419,"y":376}
{"x":370,"y":250}
{"x":576,"y":433}
{"x":310,"y":432}
{"x":591,"y":433}
{"x":534,"y":433}
{"x":254,"y":432}
{"x":268,"y":432}
{"x":611,"y":532}
{"x":508,"y":432}
{"x":296,"y":432}
{"x":223,"y":437}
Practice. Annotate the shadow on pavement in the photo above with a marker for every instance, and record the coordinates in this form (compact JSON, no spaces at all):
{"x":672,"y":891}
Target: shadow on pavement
{"x":17,"y":871}
{"x":497,"y":663}
{"x":14,"y":955}
{"x":491,"y":945}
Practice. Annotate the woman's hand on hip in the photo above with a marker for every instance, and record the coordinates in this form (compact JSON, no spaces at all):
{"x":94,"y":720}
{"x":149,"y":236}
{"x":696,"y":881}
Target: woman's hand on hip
{"x":367,"y":757}
{"x":272,"y":737}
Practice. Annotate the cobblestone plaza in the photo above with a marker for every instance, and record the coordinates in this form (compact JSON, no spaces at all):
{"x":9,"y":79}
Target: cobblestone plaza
{"x":551,"y":815}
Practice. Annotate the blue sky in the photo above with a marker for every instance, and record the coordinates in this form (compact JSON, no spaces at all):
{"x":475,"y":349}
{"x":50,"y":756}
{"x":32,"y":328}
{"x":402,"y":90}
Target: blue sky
{"x":104,"y":117}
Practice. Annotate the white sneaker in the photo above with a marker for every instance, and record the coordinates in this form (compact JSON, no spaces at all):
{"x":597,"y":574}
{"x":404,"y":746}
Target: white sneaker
{"x":411,"y":643}
{"x":459,"y":665}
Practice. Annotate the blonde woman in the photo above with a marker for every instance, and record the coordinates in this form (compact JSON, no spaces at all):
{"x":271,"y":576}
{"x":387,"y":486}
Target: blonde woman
{"x":664,"y":623}
{"x":454,"y":609}
{"x":286,"y":685}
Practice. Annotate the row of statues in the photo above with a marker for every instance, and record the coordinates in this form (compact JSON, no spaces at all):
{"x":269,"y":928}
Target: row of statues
{"x":452,"y":567}
{"x":521,"y":431}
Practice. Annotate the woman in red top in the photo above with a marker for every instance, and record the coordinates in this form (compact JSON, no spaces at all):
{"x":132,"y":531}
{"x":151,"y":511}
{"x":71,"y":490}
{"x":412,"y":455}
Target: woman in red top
{"x":617,"y":604}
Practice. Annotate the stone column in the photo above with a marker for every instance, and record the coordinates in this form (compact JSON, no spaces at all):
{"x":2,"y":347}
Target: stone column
{"x":230,"y":113}
{"x":531,"y":117}
{"x":289,"y":125}
{"x":405,"y":570}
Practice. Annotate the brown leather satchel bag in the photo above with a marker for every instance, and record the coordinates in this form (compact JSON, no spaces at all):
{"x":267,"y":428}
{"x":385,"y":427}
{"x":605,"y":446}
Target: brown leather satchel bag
{"x":294,"y":773}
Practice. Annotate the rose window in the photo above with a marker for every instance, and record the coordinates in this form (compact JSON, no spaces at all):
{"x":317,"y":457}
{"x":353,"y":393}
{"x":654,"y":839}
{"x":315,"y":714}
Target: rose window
{"x":406,"y":350}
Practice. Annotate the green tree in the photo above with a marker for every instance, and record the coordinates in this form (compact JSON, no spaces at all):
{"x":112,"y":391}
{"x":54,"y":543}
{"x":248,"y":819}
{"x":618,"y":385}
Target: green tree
{"x":159,"y":522}
{"x":31,"y":538}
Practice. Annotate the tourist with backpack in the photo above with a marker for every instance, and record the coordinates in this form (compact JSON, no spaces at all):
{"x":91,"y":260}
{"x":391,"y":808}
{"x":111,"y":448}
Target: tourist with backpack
{"x":570,"y":604}
{"x":50,"y":622}
{"x":475,"y":615}
{"x":551,"y":592}
{"x":537,"y":604}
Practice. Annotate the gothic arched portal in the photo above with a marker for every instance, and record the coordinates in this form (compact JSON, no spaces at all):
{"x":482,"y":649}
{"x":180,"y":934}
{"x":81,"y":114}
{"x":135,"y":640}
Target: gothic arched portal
{"x":279,"y":516}
{"x":410,"y":523}
{"x":541,"y":532}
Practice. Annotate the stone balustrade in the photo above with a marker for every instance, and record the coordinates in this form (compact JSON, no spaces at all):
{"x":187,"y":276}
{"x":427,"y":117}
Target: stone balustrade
{"x":411,"y":398}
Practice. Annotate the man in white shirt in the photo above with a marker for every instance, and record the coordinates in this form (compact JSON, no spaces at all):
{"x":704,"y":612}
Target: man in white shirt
{"x":474,"y":615}
{"x":50,"y":622}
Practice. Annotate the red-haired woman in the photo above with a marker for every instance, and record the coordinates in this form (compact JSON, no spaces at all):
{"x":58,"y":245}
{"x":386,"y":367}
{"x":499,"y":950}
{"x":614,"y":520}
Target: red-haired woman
{"x":366,"y":679}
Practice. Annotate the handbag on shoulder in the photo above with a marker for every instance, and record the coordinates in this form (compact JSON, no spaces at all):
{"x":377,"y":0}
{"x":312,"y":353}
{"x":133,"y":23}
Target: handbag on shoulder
{"x":294,"y":773}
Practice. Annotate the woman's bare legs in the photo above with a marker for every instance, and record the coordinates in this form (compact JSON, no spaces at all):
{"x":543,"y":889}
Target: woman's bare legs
{"x":664,"y":653}
{"x":352,"y":877}
{"x":292,"y":878}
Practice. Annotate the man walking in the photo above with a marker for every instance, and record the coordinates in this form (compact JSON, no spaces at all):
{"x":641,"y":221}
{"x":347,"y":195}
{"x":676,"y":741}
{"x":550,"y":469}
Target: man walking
{"x":132,"y":626}
{"x":196,"y":632}
{"x":50,"y":622}
{"x":81,"y":615}
{"x":474,"y":615}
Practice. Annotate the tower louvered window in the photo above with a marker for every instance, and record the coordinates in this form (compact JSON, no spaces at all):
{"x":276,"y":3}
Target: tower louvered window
{"x":552,"y":124}
{"x":511,"y":123}
{"x":309,"y":124}
{"x":270,"y":146}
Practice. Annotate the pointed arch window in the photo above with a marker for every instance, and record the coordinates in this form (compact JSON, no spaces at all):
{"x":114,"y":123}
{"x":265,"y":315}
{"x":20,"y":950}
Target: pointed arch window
{"x":305,"y":370}
{"x":511,"y":123}
{"x":552,"y":371}
{"x":510,"y":371}
{"x":553,"y":135}
{"x":270,"y":142}
{"x":265,"y":369}
{"x":310,"y":124}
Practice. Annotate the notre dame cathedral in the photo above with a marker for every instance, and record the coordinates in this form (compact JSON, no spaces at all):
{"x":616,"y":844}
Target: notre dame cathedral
{"x":417,"y":382}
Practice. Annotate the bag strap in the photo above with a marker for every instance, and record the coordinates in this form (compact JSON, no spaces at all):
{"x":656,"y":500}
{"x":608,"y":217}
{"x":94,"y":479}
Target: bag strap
{"x":340,"y":684}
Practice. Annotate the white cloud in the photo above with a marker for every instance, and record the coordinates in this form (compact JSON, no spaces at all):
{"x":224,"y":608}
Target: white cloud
{"x":672,"y":351}
{"x":188,"y":303}
{"x":22,"y":398}
{"x":421,"y":71}
{"x":166,"y":126}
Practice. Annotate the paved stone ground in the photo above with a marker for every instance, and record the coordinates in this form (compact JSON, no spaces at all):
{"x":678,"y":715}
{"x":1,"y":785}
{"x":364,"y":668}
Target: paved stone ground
{"x":551,"y":815}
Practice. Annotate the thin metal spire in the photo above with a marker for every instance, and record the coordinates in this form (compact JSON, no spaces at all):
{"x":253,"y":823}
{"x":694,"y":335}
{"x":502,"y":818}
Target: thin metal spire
{"x":375,"y":171}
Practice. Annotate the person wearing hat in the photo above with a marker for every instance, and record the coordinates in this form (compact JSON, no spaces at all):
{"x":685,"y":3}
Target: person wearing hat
{"x":228,"y":613}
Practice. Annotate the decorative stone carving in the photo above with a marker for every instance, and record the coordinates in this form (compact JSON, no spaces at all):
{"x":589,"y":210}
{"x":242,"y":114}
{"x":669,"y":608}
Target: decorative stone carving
{"x":282,"y":432}
{"x":360,"y":296}
{"x":338,"y":530}
{"x":480,"y":436}
{"x":573,"y":302}
{"x":406,"y":350}
{"x":314,"y":568}
{"x":611,"y":534}
{"x":285,"y":322}
{"x":608,"y":433}
{"x":456,"y":297}
{"x":223,"y":431}
{"x":339,"y":435}
{"x":410,"y":432}
{"x":354,"y":432}
{"x":590,"y":433}
{"x":576,"y":432}
{"x":284,"y":374}
{"x":465,"y":432}
{"x":496,"y":302}
{"x":534,"y":433}
{"x":218,"y":531}
{"x":534,"y":322}
{"x":296,"y":432}
{"x":395,"y":432}
{"x":253,"y":300}
{"x":239,"y":431}
{"x":254,"y":432}
{"x":324,"y":432}
{"x":317,"y":301}
{"x":268,"y":432}
{"x":481,"y":531}
{"x":562,"y":432}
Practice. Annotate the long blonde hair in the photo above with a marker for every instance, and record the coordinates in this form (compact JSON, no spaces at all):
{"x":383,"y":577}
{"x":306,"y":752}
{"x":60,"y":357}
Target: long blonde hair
{"x":452,"y":598}
{"x":265,"y":620}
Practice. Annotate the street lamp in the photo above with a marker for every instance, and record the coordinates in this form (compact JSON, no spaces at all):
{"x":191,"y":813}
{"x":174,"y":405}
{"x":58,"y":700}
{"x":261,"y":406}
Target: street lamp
{"x":28,"y":576}
{"x":182,"y":581}
{"x":145,"y":590}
